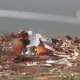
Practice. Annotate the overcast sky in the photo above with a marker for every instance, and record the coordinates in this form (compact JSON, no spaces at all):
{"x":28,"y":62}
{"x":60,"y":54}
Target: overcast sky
{"x":55,"y":7}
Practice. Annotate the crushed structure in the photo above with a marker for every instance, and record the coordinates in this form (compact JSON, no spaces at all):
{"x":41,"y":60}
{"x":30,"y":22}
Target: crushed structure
{"x":35,"y":49}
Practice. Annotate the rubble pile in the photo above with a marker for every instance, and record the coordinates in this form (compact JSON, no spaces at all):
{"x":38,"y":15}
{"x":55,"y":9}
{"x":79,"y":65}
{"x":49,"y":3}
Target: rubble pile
{"x":63,"y":51}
